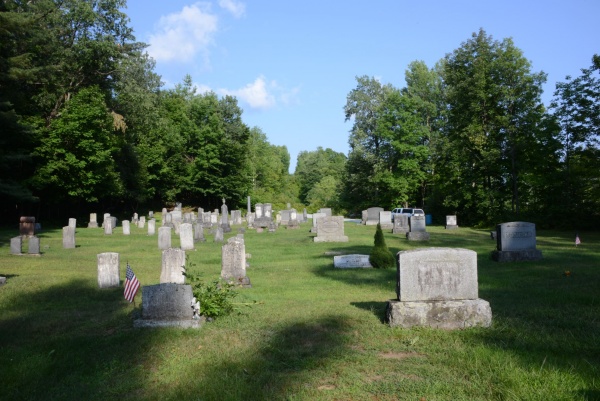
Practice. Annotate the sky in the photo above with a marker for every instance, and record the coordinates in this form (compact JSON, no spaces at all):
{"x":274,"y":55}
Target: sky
{"x":291,"y":64}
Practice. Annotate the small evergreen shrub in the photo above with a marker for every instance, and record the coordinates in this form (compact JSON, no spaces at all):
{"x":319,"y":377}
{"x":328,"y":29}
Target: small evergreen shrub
{"x":381,"y":257}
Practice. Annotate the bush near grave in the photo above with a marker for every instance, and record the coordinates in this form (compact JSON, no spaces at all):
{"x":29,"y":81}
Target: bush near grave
{"x":381,"y":257}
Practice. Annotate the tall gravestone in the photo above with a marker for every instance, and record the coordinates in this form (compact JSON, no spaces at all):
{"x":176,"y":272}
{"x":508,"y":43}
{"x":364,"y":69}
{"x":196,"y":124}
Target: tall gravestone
{"x":105,"y":219}
{"x":285,"y":217}
{"x":293,"y":222}
{"x":27,"y":226}
{"x":438,"y":287}
{"x":401,"y":224}
{"x":225,"y":218}
{"x":108,"y":270}
{"x":516,"y":241}
{"x":108,"y":226}
{"x":151,"y":227}
{"x":315,"y":221}
{"x":186,"y":236}
{"x":198,"y":232}
{"x":219,"y":234}
{"x":72,"y":222}
{"x":34,"y":246}
{"x":233,"y":262}
{"x":164,"y":237}
{"x":142,"y":222}
{"x":126,"y":227}
{"x":93,"y":223}
{"x":385,"y":220}
{"x":330,"y":229}
{"x":68,"y":237}
{"x":173,"y":266}
{"x":16,"y":245}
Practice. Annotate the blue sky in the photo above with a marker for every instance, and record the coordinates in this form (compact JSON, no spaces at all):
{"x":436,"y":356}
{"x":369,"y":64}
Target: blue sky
{"x":291,"y":63}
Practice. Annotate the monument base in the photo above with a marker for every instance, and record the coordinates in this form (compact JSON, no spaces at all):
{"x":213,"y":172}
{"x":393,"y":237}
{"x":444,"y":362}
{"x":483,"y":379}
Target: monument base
{"x":517,"y":256}
{"x":450,"y":315}
{"x":417,"y":236}
{"x":93,"y":224}
{"x":341,"y":238}
{"x":451,"y":227}
{"x":243,"y":282}
{"x":399,"y":231}
{"x":184,"y":324}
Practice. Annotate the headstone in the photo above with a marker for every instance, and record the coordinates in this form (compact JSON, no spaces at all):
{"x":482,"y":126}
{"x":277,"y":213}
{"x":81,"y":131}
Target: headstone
{"x":108,"y":270}
{"x":135,"y":218}
{"x":285,"y":217}
{"x":198,"y":232}
{"x":173,"y":266}
{"x":16,"y":244}
{"x":151,"y":226}
{"x":437,"y":287}
{"x":293,"y":222}
{"x":315,"y":220}
{"x":206,"y":220}
{"x":187,"y":217}
{"x":176,"y":226}
{"x":417,"y":229}
{"x":236,"y":217}
{"x":214,"y":218}
{"x":69,"y":237}
{"x":250,"y":219}
{"x":288,"y":205}
{"x":168,"y":305}
{"x":516,"y":241}
{"x":176,"y":215}
{"x":225,"y":218}
{"x":330,"y":229}
{"x":151,"y":214}
{"x":233,"y":262}
{"x":261,"y":219}
{"x":325,"y":210}
{"x":373,"y":215}
{"x":304,"y":216}
{"x":219,"y":234}
{"x":365,"y":216}
{"x":186,"y":236}
{"x":34,"y":245}
{"x":451,"y":223}
{"x":93,"y":223}
{"x":167,"y":220}
{"x":105,"y":219}
{"x":108,"y":227}
{"x":126,"y":227}
{"x":258,"y":209}
{"x":248,"y":206}
{"x":401,"y":224}
{"x":268,"y":210}
{"x":114,"y":222}
{"x":164,"y":237}
{"x":72,"y":222}
{"x":351,"y":261}
{"x":385,"y":220}
{"x":27,"y":226}
{"x":2,"y":280}
{"x":142,"y":222}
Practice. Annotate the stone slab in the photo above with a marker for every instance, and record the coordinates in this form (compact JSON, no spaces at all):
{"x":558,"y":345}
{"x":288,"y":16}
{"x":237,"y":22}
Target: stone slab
{"x":517,"y":256}
{"x":351,"y":261}
{"x":449,"y":315}
{"x":515,"y":236}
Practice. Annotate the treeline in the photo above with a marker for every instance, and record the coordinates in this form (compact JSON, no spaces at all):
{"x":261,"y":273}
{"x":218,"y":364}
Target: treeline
{"x":86,"y":126}
{"x":471,"y":137}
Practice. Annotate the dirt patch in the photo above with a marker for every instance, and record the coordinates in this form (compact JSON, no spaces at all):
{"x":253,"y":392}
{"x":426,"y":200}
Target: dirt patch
{"x":400,"y":355}
{"x":326,"y":387}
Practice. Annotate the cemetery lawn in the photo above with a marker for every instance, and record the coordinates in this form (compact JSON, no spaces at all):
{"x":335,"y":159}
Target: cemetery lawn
{"x":304,"y":331}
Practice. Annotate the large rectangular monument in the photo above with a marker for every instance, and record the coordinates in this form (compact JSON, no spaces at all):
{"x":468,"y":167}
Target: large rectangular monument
{"x":516,"y":241}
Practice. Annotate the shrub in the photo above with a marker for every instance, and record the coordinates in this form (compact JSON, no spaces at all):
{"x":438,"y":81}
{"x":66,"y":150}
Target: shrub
{"x":381,"y":257}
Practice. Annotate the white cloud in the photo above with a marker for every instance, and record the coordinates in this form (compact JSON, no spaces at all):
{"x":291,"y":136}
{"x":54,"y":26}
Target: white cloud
{"x":255,"y":94}
{"x":236,"y":8}
{"x":182,"y":35}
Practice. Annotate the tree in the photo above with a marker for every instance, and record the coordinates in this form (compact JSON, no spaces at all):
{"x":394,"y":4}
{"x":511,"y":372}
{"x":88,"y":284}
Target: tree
{"x":381,"y":257}
{"x":494,"y":114}
{"x":313,"y":167}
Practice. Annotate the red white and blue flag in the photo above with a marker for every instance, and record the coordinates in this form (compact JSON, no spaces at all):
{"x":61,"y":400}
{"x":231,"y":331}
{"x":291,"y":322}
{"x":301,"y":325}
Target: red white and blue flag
{"x":131,"y":284}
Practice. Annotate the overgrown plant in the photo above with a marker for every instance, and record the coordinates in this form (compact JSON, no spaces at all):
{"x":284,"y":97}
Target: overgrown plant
{"x":381,"y":257}
{"x":215,"y":297}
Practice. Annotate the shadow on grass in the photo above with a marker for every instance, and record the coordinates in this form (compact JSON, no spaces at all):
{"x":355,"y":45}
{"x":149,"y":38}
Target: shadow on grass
{"x":377,"y":308}
{"x":70,"y":341}
{"x":283,"y":365}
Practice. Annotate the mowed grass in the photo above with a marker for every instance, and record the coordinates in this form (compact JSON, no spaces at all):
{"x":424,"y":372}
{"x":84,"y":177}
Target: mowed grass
{"x":312,"y":332}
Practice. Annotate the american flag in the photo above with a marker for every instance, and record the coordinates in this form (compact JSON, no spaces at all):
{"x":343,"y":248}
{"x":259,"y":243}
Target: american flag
{"x":131,"y":284}
{"x":577,"y":240}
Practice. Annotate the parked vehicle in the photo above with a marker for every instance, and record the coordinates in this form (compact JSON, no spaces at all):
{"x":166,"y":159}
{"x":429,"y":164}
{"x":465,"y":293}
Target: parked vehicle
{"x":409,"y":211}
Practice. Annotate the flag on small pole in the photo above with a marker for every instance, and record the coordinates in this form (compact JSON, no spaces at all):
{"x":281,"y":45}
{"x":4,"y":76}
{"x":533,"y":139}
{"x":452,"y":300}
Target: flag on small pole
{"x":577,"y":240}
{"x":131,"y":284}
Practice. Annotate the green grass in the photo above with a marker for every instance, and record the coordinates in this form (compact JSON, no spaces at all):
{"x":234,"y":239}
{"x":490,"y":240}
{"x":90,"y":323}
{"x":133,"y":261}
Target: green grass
{"x":315,"y":333}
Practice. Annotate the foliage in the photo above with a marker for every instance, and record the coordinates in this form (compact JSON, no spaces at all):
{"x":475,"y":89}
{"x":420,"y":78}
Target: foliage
{"x":381,"y":257}
{"x":215,"y":297}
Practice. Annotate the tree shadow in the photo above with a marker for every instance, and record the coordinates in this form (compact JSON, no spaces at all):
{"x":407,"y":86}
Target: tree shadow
{"x":377,"y":308}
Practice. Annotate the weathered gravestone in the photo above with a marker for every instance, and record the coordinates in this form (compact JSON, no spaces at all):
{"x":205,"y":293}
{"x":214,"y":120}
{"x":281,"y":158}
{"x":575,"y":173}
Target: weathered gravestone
{"x":186,"y":236}
{"x":373,"y":216}
{"x":285,"y":217}
{"x":516,"y":241}
{"x":330,"y":229}
{"x":451,"y":222}
{"x":34,"y":246}
{"x":233,"y":262}
{"x":177,"y":215}
{"x":417,"y":229}
{"x":173,"y":266}
{"x":26,"y":226}
{"x":437,"y":287}
{"x":68,"y":237}
{"x":198,"y":232}
{"x":225,"y":218}
{"x":164,"y":237}
{"x":401,"y":224}
{"x":151,"y":227}
{"x":108,"y":227}
{"x":236,"y":217}
{"x":262,"y":220}
{"x":218,"y":234}
{"x":126,"y":227}
{"x":293,"y":221}
{"x":326,"y":210}
{"x":176,"y":226}
{"x":142,"y":222}
{"x":169,"y":305}
{"x":93,"y":223}
{"x":108,"y":270}
{"x":72,"y":222}
{"x":105,"y":219}
{"x":351,"y":261}
{"x":315,"y":221}
{"x":135,"y":218}
{"x":167,"y":220}
{"x":250,"y":219}
{"x":364,"y":217}
{"x":16,"y":244}
{"x":385,"y":220}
